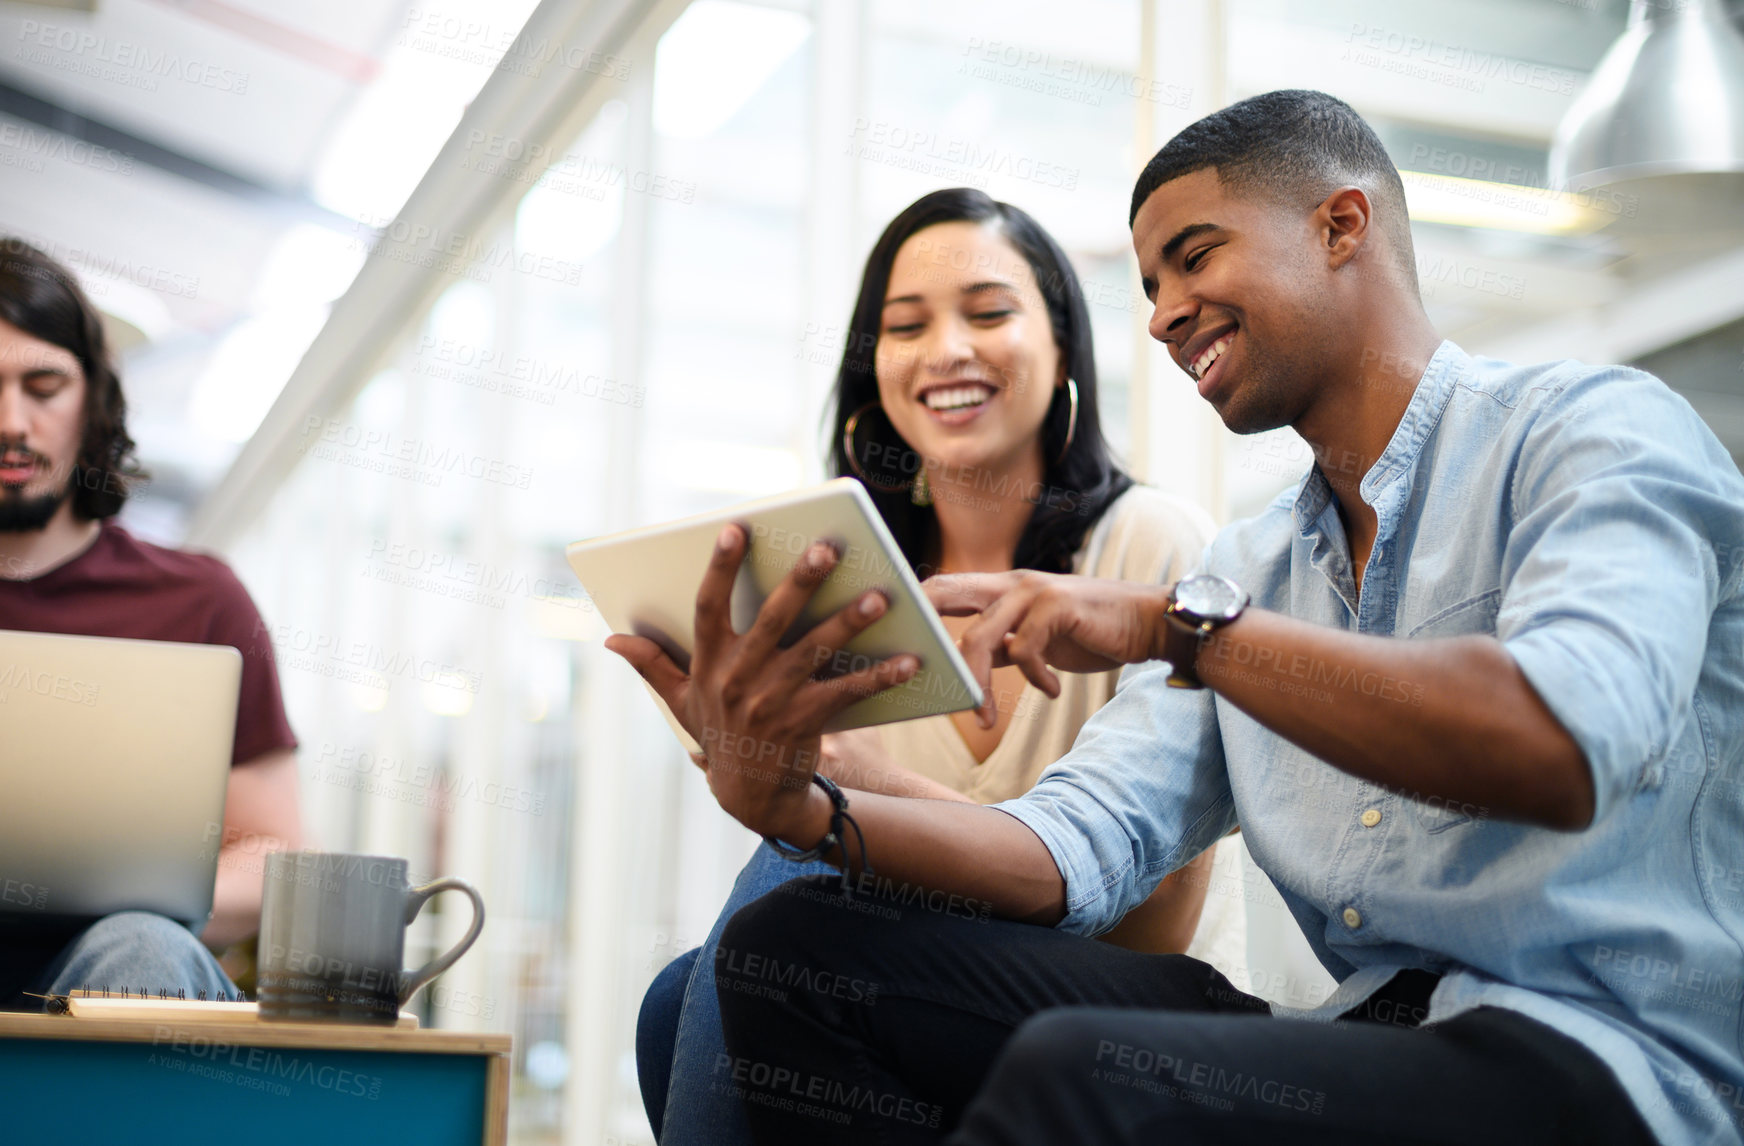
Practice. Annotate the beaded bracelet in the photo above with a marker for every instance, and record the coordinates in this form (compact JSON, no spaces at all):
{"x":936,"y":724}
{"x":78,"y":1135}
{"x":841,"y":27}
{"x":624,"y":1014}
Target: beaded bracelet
{"x":833,"y":838}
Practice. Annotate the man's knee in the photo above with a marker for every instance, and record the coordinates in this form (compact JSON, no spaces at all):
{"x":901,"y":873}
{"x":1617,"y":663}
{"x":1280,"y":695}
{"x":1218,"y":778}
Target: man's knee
{"x":800,"y":935}
{"x":139,"y":930}
{"x":138,"y":950}
{"x":775,"y":919}
{"x":1048,"y":1044}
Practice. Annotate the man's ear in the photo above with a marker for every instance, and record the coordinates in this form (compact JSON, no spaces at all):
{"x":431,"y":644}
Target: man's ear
{"x":1344,"y":222}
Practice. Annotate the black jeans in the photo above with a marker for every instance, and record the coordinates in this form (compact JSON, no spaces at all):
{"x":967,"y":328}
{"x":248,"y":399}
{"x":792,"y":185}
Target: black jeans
{"x":902,"y":1019}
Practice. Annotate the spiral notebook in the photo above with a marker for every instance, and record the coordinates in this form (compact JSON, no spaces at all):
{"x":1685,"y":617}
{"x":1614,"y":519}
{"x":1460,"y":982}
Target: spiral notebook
{"x":164,"y":1008}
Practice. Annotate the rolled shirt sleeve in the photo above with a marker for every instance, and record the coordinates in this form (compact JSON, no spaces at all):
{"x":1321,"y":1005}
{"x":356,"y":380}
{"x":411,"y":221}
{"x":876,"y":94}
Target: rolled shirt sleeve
{"x":1610,"y":572}
{"x":1142,"y":792}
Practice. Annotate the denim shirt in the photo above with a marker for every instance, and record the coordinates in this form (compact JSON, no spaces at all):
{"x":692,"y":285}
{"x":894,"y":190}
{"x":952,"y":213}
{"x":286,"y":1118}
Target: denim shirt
{"x":1588,"y":519}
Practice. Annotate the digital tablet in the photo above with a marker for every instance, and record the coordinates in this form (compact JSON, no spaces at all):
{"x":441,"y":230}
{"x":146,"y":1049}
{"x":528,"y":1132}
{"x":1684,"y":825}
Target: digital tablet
{"x":645,"y":582}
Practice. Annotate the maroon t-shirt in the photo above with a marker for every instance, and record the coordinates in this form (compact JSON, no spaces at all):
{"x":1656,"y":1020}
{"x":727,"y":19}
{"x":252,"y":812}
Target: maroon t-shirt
{"x":124,"y":587}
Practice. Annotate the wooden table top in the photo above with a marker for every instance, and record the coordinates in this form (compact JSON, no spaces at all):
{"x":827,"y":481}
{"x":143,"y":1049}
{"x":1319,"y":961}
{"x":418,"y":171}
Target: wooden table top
{"x":171,"y":1030}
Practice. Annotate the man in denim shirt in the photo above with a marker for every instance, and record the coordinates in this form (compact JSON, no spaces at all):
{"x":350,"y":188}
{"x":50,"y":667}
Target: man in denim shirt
{"x":1481,"y":724}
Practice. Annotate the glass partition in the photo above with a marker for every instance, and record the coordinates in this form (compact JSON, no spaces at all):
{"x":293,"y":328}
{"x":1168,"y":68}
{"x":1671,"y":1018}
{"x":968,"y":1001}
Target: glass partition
{"x":661,"y":342}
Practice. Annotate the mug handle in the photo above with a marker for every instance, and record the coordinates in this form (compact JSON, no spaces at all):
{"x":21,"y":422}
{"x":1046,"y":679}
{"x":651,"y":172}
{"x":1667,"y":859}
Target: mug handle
{"x":416,"y":898}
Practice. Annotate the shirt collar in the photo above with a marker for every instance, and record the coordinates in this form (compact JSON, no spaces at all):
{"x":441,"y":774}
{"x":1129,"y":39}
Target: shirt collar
{"x":1446,"y":366}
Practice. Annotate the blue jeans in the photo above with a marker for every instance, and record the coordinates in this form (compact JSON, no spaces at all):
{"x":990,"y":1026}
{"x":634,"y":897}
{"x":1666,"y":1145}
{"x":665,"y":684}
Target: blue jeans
{"x":678,"y":1032}
{"x":129,"y":951}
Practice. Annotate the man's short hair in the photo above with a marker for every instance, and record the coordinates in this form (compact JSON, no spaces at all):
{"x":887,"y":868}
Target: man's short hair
{"x":42,"y":298}
{"x":1293,"y":147}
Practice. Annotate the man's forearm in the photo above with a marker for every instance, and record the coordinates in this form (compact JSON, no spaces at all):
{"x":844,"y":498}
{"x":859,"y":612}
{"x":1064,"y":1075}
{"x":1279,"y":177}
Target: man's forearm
{"x":1453,"y":719}
{"x":955,"y":848}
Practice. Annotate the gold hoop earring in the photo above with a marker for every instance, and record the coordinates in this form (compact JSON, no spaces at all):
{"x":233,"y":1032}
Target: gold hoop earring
{"x":1071,"y":419}
{"x":852,"y":426}
{"x":919,"y":492}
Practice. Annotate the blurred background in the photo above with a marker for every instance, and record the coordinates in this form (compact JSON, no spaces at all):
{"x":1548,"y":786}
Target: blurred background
{"x":411,"y":296}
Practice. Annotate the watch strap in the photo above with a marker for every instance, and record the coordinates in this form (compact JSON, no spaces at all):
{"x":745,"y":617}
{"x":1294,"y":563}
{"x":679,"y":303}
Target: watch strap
{"x":1181,"y":642}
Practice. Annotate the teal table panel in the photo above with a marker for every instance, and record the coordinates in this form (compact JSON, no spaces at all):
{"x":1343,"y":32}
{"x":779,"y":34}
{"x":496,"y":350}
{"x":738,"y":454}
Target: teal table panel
{"x":60,"y":1091}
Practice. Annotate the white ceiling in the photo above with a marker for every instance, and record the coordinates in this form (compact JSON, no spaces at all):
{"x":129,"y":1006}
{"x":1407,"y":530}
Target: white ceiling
{"x":249,"y":87}
{"x":217,"y":116}
{"x":170,"y":150}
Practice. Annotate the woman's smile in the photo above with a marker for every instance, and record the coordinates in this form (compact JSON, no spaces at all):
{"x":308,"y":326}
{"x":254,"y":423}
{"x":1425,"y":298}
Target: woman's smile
{"x":957,"y":403}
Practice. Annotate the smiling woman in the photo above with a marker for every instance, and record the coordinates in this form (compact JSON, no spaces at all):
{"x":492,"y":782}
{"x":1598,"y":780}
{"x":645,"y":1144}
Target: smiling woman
{"x":966,"y":403}
{"x":969,"y":360}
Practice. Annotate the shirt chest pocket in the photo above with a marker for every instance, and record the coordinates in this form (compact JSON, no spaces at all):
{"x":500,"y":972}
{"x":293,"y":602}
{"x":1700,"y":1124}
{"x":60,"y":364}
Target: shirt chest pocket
{"x":1475,"y":615}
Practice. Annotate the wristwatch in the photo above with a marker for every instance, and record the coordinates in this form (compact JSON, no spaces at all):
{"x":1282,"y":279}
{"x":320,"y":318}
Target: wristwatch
{"x":1198,"y":606}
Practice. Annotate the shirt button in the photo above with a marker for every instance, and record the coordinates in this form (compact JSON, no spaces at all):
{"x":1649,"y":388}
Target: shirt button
{"x":1352,"y":917}
{"x":1371,"y":817}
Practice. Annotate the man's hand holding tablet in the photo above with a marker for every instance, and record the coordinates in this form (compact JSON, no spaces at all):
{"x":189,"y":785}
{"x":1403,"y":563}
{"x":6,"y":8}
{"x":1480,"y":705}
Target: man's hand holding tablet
{"x":754,"y":706}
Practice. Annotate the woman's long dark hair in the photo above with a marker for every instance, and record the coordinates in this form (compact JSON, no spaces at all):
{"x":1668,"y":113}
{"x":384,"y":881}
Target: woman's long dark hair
{"x":44,"y":300}
{"x":1077,"y":488}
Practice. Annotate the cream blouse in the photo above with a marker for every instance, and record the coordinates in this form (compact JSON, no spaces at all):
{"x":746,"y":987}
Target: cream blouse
{"x":1146,"y":535}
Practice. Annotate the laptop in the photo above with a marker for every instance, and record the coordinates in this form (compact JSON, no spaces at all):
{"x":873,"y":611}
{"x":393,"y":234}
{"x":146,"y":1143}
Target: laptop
{"x":114,"y":761}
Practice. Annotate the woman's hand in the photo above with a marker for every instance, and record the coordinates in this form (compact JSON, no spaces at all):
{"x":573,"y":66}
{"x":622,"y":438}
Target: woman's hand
{"x":1034,"y":620}
{"x":856,"y":759}
{"x":754,"y":706}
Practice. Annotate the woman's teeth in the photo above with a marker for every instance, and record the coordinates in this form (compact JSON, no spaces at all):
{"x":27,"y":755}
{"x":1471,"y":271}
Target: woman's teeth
{"x":1212,"y":354}
{"x":956,"y":397}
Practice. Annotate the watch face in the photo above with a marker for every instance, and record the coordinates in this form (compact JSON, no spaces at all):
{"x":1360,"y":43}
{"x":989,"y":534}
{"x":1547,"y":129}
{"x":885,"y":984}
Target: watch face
{"x":1210,"y":598}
